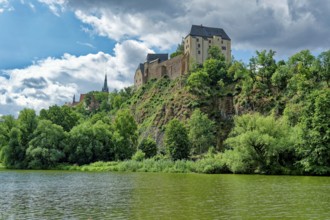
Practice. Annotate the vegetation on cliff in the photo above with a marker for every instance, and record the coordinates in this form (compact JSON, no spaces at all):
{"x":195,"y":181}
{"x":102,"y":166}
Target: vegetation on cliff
{"x":263,"y":117}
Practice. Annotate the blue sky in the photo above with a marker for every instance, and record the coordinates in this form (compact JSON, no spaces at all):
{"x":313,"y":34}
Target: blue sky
{"x":29,"y":34}
{"x":53,"y":49}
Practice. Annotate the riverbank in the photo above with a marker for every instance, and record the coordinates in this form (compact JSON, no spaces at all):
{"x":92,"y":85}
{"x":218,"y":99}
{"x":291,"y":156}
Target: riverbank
{"x":206,"y":165}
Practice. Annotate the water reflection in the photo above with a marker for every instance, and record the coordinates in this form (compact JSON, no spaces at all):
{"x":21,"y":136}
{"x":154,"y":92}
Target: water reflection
{"x":80,"y":195}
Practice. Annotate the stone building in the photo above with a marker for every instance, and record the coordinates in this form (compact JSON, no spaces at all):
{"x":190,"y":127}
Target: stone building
{"x":201,"y":38}
{"x":196,"y":45}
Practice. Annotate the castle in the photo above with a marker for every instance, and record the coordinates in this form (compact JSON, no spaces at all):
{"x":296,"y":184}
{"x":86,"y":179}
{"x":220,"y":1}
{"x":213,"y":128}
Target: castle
{"x":195,"y":44}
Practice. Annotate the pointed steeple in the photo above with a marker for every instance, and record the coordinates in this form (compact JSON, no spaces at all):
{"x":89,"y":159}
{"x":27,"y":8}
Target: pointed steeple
{"x":105,"y":85}
{"x":74,"y":99}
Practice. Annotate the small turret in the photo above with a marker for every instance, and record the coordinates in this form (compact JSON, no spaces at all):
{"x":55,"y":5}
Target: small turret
{"x":105,"y":85}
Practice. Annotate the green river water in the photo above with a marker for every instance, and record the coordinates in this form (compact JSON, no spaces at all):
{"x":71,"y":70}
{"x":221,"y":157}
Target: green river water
{"x":106,"y":195}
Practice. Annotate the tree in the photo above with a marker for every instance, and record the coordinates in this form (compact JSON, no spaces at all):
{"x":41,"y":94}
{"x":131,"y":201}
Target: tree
{"x":201,"y":132}
{"x":7,"y":122}
{"x":266,"y":65}
{"x":27,"y":122}
{"x":260,"y":144}
{"x":215,"y":53}
{"x":46,"y":148}
{"x":315,"y":150}
{"x":149,"y":147}
{"x":125,"y":134}
{"x":216,"y":69}
{"x":90,"y":142}
{"x":176,"y":140}
{"x":302,"y":78}
{"x":179,"y":50}
{"x":63,"y":116}
{"x":13,"y":154}
{"x":324,"y":66}
{"x":198,"y":83}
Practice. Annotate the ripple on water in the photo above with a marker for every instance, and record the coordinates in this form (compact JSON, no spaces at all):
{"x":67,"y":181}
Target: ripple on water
{"x":79,"y":195}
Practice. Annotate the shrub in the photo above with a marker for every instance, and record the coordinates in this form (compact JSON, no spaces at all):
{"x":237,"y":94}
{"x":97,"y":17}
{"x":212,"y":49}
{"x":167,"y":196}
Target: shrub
{"x":138,"y":156}
{"x":149,"y":147}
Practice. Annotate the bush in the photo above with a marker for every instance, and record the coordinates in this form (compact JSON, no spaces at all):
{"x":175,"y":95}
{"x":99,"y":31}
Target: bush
{"x":149,"y":147}
{"x":176,"y":140}
{"x":138,"y":156}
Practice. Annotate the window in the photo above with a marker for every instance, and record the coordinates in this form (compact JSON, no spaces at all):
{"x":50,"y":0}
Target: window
{"x":199,"y":45}
{"x":222,"y":41}
{"x":199,"y":52}
{"x":223,"y":48}
{"x":197,"y":40}
{"x":210,"y":41}
{"x":209,"y":46}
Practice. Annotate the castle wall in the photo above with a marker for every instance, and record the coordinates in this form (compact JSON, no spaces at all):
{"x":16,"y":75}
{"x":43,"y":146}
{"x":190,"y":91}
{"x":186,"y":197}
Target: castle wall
{"x":173,"y":68}
{"x":153,"y":70}
{"x":138,"y":78}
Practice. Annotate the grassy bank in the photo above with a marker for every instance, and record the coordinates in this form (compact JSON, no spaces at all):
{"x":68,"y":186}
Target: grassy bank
{"x":207,"y":165}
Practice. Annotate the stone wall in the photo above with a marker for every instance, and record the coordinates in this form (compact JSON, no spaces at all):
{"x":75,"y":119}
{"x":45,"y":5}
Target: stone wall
{"x":172,"y":68}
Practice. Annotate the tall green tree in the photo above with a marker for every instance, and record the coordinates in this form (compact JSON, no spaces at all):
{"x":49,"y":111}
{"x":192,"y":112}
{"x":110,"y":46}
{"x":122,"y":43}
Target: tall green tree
{"x":46,"y":148}
{"x":27,"y":122}
{"x":7,"y":122}
{"x":315,"y":150}
{"x":125,"y":134}
{"x":63,"y":116}
{"x":89,"y":143}
{"x":201,"y":132}
{"x":176,"y":140}
{"x":13,"y":154}
{"x":324,"y":67}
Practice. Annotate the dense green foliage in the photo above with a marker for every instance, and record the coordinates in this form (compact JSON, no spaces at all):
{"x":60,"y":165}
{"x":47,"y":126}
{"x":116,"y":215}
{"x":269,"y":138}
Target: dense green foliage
{"x":201,"y":132}
{"x":266,"y":116}
{"x":176,"y":140}
{"x":149,"y":147}
{"x":259,"y":144}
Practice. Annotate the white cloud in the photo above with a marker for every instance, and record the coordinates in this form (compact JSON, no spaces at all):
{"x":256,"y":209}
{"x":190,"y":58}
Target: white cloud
{"x":54,"y":81}
{"x":56,"y":6}
{"x":286,"y":26}
{"x":5,"y":6}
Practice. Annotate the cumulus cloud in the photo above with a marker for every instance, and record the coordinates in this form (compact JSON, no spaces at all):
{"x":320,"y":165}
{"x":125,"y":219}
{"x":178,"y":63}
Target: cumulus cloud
{"x":286,"y":26}
{"x":139,"y":27}
{"x":55,"y":80}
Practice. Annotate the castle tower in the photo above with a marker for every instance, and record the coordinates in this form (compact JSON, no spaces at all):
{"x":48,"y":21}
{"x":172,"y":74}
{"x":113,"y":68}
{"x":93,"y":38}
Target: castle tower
{"x":105,"y":85}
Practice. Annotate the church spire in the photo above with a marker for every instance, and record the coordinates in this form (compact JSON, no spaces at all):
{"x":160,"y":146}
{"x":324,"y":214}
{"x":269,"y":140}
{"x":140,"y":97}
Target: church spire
{"x":74,"y":99}
{"x":105,"y":86}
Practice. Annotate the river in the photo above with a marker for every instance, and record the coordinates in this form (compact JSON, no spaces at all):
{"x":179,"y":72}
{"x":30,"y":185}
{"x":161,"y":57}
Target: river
{"x":107,"y":195}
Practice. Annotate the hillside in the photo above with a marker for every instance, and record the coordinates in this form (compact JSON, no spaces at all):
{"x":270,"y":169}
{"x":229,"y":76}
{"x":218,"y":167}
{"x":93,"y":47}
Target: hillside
{"x":264,"y":117}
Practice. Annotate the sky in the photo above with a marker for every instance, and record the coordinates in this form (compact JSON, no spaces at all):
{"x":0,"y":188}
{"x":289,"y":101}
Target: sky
{"x":53,"y":49}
